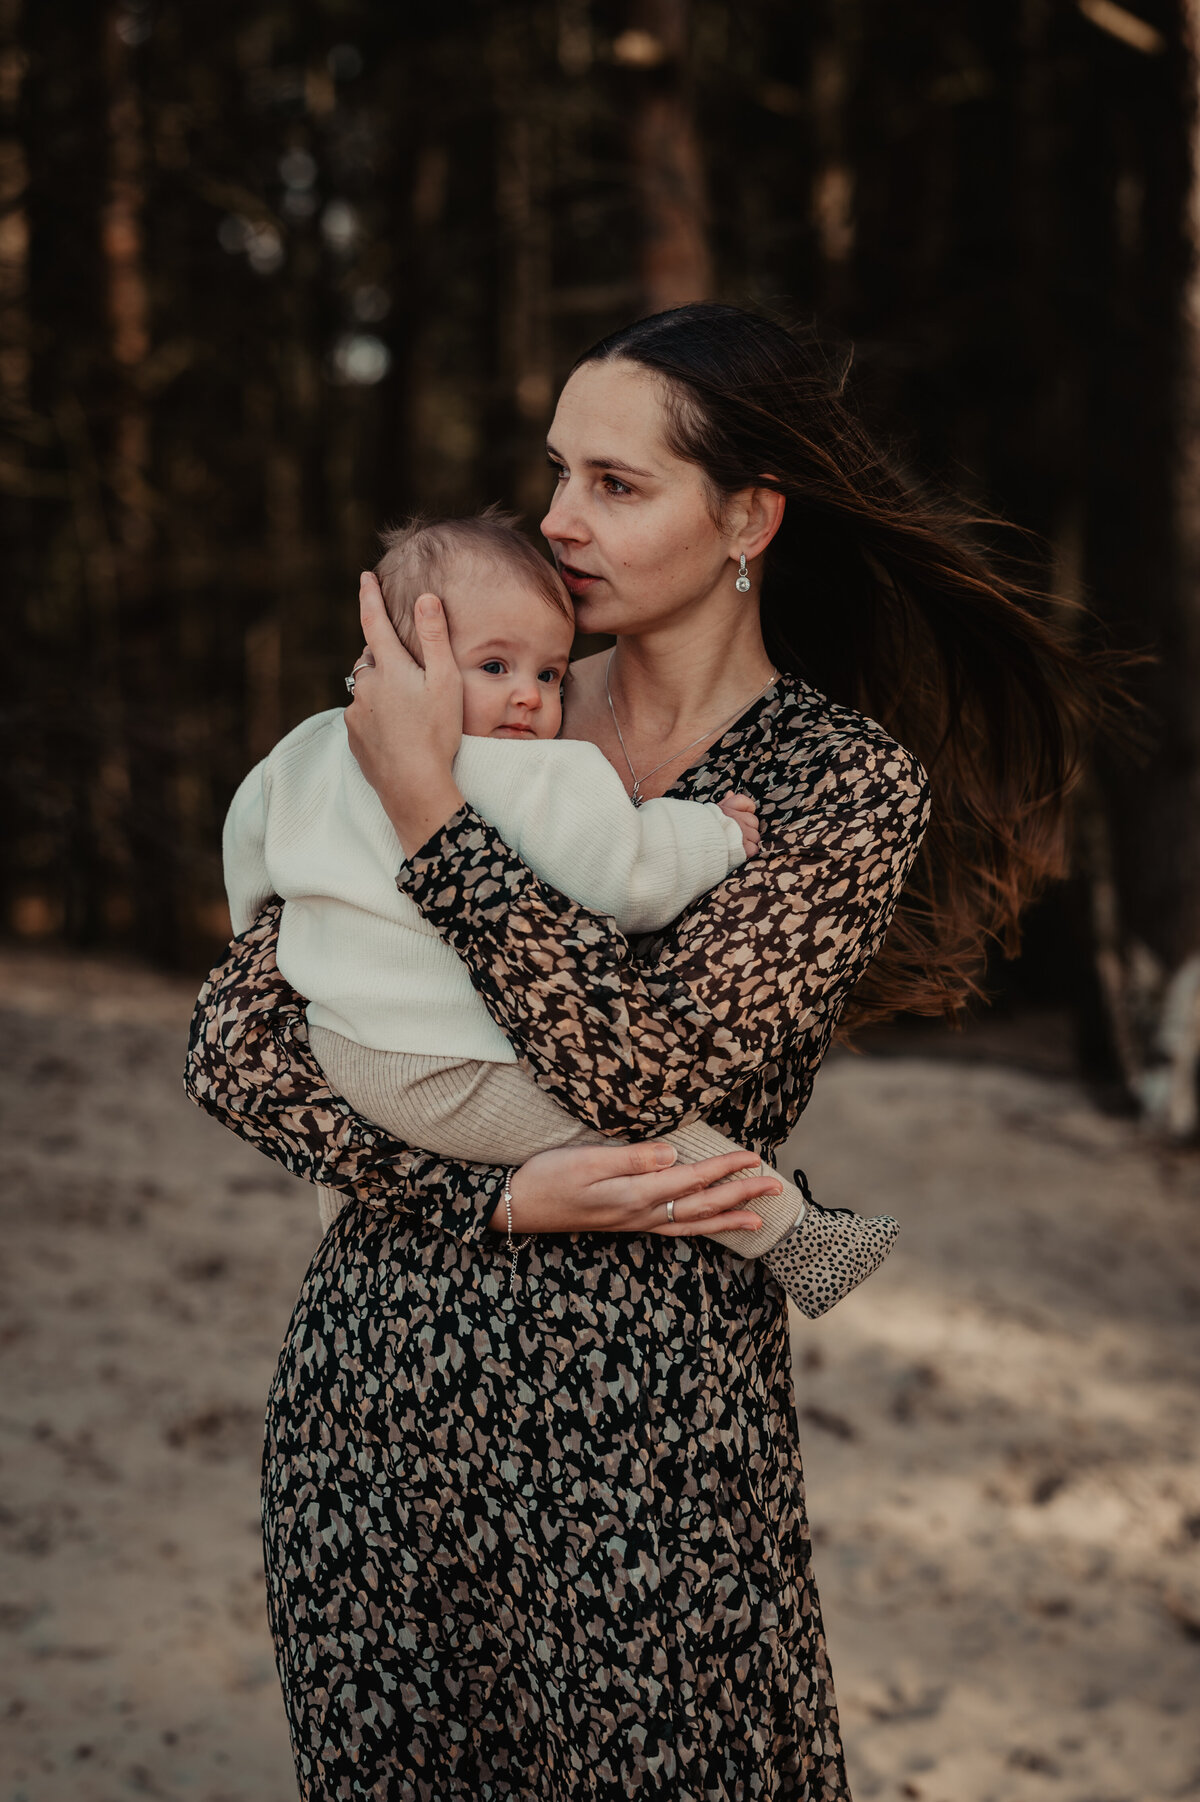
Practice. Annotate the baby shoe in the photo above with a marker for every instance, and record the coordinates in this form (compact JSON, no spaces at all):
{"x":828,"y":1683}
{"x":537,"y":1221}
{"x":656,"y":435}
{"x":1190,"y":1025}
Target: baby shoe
{"x":830,"y":1252}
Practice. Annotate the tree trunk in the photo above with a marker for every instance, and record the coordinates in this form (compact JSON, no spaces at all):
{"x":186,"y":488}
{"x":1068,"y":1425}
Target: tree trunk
{"x":668,"y":169}
{"x":1170,"y":1082}
{"x":135,"y":650}
{"x":523,"y":162}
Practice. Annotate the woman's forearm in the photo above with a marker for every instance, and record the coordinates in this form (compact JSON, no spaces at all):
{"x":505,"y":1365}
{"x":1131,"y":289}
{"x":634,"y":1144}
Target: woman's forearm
{"x":420,"y":810}
{"x":765,"y":957}
{"x":249,"y":1064}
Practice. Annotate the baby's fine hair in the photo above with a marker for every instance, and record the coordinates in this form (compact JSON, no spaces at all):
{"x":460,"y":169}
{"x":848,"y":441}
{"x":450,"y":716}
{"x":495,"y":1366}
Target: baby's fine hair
{"x":416,"y":555}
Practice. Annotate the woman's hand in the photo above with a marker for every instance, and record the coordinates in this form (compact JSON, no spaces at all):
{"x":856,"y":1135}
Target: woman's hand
{"x":625,"y":1189}
{"x":405,"y":721}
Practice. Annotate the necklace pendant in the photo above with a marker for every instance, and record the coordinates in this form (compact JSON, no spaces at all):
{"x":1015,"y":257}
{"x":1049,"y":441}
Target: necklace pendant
{"x":635,"y":794}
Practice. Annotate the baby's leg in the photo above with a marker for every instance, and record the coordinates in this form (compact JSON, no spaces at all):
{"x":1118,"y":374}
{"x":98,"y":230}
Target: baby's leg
{"x":458,"y":1107}
{"x":497,"y":1114}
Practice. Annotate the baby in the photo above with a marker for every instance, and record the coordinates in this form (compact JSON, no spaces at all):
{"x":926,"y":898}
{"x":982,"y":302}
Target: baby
{"x":394,"y":1021}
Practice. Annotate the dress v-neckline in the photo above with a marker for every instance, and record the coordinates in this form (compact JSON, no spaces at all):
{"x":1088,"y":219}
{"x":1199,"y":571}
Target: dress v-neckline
{"x":771,"y":700}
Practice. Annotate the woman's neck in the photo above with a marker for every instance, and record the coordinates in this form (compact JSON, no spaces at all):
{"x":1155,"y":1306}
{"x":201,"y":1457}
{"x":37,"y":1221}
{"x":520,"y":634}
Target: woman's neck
{"x":672,"y":683}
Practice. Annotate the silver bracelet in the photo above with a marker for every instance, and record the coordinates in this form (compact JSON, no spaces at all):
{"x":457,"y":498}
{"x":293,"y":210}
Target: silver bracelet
{"x":510,"y":1244}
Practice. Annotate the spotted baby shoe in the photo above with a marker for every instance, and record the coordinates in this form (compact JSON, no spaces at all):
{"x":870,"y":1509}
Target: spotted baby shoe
{"x":829,"y":1252}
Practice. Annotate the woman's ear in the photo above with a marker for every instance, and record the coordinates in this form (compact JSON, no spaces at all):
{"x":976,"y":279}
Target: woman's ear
{"x":754,"y":518}
{"x":765,"y":516}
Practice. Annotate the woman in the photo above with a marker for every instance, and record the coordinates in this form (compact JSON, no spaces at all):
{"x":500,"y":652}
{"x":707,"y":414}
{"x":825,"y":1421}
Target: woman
{"x":549,"y":1541}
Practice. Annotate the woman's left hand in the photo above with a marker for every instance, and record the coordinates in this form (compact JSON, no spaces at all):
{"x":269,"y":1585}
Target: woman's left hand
{"x":405,"y":721}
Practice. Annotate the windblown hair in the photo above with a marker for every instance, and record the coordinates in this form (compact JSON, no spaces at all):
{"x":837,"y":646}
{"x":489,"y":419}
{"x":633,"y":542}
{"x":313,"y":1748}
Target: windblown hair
{"x":417,"y":555}
{"x":882,"y":596}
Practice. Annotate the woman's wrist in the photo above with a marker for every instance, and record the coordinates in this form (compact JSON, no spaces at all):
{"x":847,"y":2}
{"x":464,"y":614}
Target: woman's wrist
{"x":425,"y":806}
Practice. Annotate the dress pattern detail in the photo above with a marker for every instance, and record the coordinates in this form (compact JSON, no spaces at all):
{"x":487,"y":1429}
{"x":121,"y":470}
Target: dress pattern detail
{"x":551,"y":1546}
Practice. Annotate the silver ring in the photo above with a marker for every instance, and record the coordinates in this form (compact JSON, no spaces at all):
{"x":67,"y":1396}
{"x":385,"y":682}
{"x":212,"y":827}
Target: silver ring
{"x":670,"y":1213}
{"x":349,"y":685}
{"x":363,"y":663}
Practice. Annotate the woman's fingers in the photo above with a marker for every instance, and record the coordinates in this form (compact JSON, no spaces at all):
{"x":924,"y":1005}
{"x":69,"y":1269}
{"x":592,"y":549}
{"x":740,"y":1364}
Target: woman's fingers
{"x":704,"y":1206}
{"x":619,"y":1161}
{"x":742,"y":1220}
{"x":621,"y":1188}
{"x":434,"y":634}
{"x":690,"y":1180}
{"x":378,"y":629}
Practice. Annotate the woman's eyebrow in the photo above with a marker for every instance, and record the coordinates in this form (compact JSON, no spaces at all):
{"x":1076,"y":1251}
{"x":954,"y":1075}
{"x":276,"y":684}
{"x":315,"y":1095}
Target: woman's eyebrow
{"x":627,"y":469}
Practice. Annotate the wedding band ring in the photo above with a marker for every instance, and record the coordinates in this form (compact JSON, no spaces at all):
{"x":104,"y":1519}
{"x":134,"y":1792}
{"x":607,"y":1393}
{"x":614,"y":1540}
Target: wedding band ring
{"x":363,"y":663}
{"x":670,"y":1213}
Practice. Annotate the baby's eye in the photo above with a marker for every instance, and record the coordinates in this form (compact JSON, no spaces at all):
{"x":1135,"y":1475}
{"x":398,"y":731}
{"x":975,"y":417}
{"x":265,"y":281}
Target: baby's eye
{"x":493,"y":667}
{"x":549,"y":675}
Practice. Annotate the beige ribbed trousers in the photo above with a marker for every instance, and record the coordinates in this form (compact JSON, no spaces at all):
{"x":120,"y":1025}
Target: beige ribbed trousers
{"x":496,"y":1114}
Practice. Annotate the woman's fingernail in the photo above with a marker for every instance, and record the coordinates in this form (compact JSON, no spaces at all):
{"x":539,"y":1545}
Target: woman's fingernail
{"x":663,"y":1157}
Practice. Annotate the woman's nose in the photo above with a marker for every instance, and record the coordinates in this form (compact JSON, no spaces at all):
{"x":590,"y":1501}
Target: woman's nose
{"x":562,"y":522}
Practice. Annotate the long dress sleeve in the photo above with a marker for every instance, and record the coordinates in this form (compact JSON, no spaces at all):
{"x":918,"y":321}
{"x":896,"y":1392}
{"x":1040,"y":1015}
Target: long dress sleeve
{"x":249,"y":1064}
{"x":765,"y":959}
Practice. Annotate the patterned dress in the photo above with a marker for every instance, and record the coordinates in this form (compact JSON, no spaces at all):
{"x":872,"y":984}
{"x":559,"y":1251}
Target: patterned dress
{"x":550,"y":1545}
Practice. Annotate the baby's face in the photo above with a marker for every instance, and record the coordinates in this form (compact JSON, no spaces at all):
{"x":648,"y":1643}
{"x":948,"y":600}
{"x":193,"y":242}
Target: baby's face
{"x":512,"y":647}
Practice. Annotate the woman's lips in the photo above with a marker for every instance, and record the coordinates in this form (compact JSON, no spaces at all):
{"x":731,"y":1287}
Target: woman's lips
{"x":578,"y":581}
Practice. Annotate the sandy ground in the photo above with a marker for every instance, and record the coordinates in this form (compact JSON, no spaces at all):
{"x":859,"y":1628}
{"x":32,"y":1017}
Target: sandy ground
{"x":1000,"y":1429}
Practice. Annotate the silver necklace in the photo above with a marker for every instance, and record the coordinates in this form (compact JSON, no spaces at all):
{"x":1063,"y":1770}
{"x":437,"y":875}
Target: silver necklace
{"x":636,"y":796}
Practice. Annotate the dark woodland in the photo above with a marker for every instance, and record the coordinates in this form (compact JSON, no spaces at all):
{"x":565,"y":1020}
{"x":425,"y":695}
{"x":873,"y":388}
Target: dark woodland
{"x":272,"y":275}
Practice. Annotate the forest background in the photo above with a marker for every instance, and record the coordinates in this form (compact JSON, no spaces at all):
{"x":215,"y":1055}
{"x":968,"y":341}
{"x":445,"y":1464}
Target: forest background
{"x":272,"y":275}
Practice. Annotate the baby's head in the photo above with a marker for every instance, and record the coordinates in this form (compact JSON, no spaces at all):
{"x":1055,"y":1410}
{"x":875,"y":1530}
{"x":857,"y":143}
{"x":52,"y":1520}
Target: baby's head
{"x":510,"y":618}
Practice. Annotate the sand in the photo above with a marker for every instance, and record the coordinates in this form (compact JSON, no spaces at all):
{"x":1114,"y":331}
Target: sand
{"x":1000,"y":1429}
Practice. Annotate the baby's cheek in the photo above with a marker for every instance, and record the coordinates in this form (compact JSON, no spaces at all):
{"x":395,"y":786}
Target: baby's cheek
{"x":482,"y":710}
{"x":549,"y":722}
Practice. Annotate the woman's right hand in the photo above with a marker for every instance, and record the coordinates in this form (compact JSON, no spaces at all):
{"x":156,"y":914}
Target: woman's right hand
{"x":404,"y":723}
{"x":625,"y":1189}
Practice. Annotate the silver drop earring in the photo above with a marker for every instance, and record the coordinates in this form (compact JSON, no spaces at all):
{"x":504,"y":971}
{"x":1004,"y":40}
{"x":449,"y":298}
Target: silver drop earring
{"x":742,"y":580}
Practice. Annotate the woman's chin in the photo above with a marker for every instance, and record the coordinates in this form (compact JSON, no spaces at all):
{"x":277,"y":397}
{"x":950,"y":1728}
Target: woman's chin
{"x":593,"y":616}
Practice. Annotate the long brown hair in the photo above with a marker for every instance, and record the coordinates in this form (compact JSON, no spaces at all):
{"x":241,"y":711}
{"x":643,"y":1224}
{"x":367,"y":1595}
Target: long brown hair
{"x":882,"y":596}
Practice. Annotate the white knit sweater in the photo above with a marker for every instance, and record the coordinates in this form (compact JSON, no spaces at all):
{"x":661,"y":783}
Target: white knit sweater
{"x":307,"y":826}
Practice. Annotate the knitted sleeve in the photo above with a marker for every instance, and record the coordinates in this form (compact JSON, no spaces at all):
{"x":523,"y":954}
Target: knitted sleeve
{"x":561,"y":808}
{"x":244,"y":848}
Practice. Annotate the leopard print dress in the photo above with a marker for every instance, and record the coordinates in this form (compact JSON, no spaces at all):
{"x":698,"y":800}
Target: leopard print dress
{"x":549,"y":1544}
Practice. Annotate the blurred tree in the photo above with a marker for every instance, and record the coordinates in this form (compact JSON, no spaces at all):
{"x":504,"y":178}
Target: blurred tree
{"x":1144,"y":544}
{"x":271,"y":275}
{"x":667,"y":168}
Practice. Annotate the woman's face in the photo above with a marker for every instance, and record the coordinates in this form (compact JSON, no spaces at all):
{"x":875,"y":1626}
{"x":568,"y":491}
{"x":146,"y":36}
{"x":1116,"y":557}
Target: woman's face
{"x":629,"y":524}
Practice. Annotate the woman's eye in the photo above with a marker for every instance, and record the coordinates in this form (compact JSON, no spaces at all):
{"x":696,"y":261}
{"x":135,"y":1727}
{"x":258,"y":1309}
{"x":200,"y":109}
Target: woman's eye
{"x":493,"y":667}
{"x":558,"y":472}
{"x":615,"y":486}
